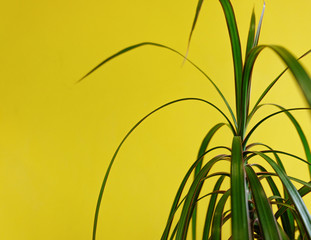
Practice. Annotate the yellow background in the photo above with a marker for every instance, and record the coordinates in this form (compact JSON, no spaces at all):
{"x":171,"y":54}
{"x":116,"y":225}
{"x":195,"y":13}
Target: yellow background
{"x":57,"y":137}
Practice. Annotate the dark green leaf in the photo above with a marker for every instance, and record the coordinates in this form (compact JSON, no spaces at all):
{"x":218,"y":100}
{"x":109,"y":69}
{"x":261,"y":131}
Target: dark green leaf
{"x":127,"y":49}
{"x":295,"y":67}
{"x":263,"y":208}
{"x":202,"y":149}
{"x":197,"y":12}
{"x":176,"y":203}
{"x":256,"y":106}
{"x":301,"y":134}
{"x":239,"y":204}
{"x":101,"y":192}
{"x":293,"y":193}
{"x":236,"y":50}
{"x":210,"y":210}
{"x":264,"y":119}
{"x":192,"y":197}
{"x":217,"y":220}
{"x":251,"y":35}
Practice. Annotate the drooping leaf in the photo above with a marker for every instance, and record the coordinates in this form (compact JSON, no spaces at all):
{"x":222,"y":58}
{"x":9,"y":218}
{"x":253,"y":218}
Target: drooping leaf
{"x":302,"y":192}
{"x":266,"y":218}
{"x":301,"y":134}
{"x":132,"y":47}
{"x":285,"y":218}
{"x":202,"y":149}
{"x":217,"y":220}
{"x":196,"y":16}
{"x":265,"y":118}
{"x":101,"y":192}
{"x":192,"y":197}
{"x":210,"y":210}
{"x":285,"y":153}
{"x":256,"y":106}
{"x":295,"y":67}
{"x":293,"y":193}
{"x":179,"y":193}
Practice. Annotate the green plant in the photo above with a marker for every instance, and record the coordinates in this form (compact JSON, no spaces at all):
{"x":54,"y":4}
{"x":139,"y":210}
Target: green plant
{"x":251,"y":213}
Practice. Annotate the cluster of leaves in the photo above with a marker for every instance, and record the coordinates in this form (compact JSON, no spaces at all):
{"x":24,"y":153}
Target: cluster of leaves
{"x":251,"y":213}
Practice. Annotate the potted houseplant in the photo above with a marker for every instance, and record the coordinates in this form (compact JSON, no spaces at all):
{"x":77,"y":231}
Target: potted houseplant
{"x":251,"y":214}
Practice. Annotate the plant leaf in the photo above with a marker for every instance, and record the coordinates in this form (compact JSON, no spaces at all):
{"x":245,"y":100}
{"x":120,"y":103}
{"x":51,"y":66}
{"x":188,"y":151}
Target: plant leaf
{"x":287,"y":217}
{"x":251,"y":35}
{"x":210,"y":210}
{"x":217,"y":220}
{"x":239,"y":203}
{"x":192,"y":197}
{"x":293,"y":193}
{"x":236,"y":50}
{"x":265,"y":118}
{"x":256,"y":107}
{"x":259,"y":25}
{"x":202,"y":149}
{"x":295,"y":67}
{"x":132,"y":47}
{"x":301,"y":134}
{"x":197,"y":12}
{"x":302,"y":192}
{"x":266,"y":218}
{"x":176,"y":203}
{"x":101,"y":192}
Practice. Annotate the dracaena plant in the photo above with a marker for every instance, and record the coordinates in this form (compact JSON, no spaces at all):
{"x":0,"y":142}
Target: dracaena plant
{"x":250,"y":213}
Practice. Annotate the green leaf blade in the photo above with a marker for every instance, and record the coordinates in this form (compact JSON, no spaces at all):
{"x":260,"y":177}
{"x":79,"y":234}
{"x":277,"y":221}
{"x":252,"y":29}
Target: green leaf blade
{"x":251,"y":35}
{"x":239,"y":204}
{"x":210,"y":210}
{"x":202,"y":149}
{"x":266,"y":218}
{"x":293,"y":193}
{"x":192,"y":197}
{"x":236,"y":50}
{"x":217,"y":221}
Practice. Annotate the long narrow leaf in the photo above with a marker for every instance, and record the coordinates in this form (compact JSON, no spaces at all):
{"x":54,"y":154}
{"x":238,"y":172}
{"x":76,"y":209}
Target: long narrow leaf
{"x":101,"y":192}
{"x":302,"y":192}
{"x":179,"y":192}
{"x":259,"y":26}
{"x":239,"y":204}
{"x":286,"y":218}
{"x":197,"y":12}
{"x":265,"y":118}
{"x":251,"y":35}
{"x":132,"y":47}
{"x":263,"y":208}
{"x":281,"y":152}
{"x":295,"y":67}
{"x":236,"y":50}
{"x":255,"y":108}
{"x":217,"y":221}
{"x":192,"y":196}
{"x":202,"y":149}
{"x":292,"y":191}
{"x":301,"y":134}
{"x":275,"y":153}
{"x":210,"y":210}
{"x":297,"y":70}
{"x":283,"y":233}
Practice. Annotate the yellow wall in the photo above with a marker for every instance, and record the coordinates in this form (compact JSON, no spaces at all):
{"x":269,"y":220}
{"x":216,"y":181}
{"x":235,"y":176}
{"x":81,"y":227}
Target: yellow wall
{"x":57,"y":137}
